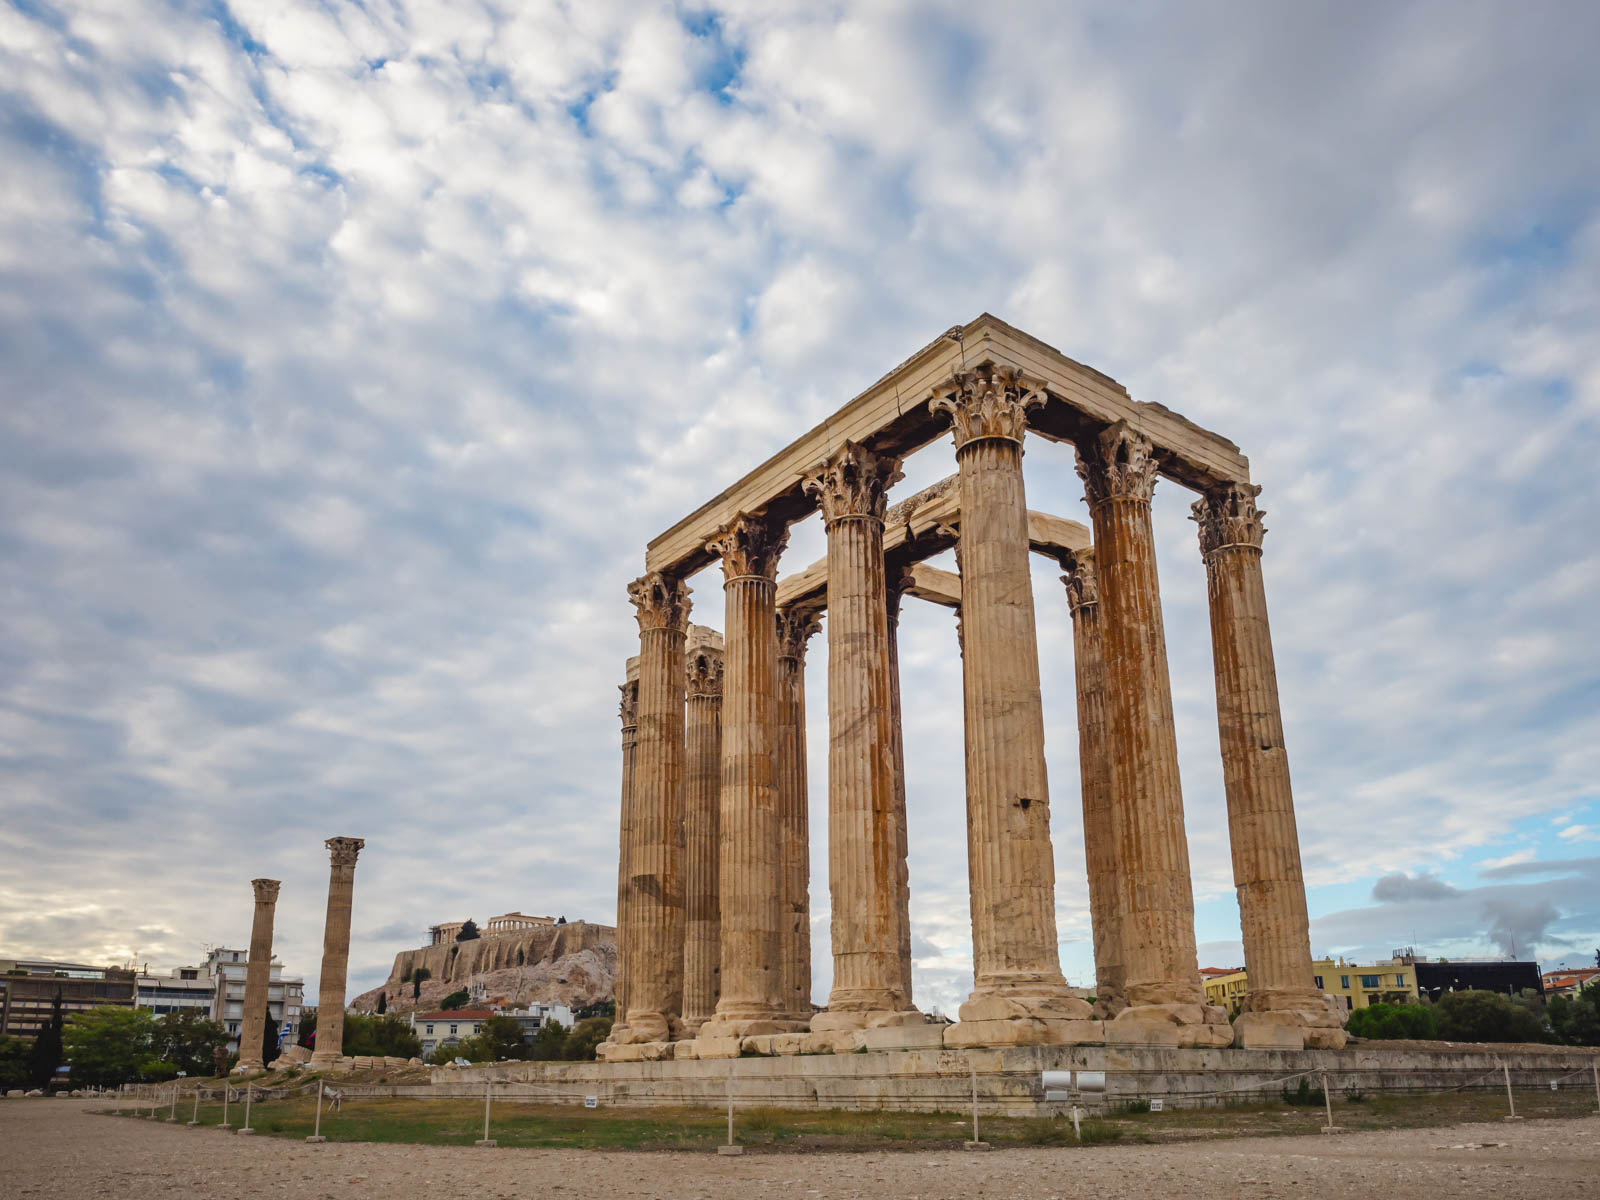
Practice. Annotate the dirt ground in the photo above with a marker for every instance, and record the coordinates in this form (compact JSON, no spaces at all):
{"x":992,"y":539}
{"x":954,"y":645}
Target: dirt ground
{"x":56,"y":1148}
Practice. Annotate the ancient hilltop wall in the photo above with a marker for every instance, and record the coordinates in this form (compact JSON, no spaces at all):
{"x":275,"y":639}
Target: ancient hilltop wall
{"x":497,"y":952}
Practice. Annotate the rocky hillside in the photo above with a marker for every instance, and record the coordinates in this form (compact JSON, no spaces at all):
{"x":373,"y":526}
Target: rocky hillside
{"x":572,"y":964}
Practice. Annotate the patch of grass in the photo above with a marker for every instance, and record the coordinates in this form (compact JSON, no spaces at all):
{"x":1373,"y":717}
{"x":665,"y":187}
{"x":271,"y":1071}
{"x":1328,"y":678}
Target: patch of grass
{"x":1100,"y":1133}
{"x":1304,"y":1096}
{"x":1136,"y":1106}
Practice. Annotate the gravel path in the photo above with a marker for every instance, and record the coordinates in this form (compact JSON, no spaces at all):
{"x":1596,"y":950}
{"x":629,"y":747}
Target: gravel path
{"x":55,"y":1148}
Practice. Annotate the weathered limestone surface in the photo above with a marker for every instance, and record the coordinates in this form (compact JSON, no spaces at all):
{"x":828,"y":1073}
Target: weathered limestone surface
{"x":1019,"y":991}
{"x":1283,"y":1000}
{"x":258,"y":975}
{"x":796,"y":627}
{"x":751,"y":1000}
{"x":342,"y":852}
{"x":865,"y":854}
{"x":452,"y":962}
{"x":654,"y":932}
{"x":629,"y":712}
{"x":898,"y":585}
{"x":1094,"y":768}
{"x":1154,"y":894}
{"x":702,"y":944}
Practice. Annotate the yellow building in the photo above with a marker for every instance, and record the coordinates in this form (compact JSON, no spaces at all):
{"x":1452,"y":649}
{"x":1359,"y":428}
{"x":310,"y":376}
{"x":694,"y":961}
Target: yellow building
{"x":1357,"y":985}
{"x":1225,"y":987}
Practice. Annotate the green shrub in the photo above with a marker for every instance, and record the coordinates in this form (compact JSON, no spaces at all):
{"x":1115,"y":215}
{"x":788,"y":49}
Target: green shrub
{"x":1394,"y":1022}
{"x":1477,"y":1016}
{"x":1304,"y":1096}
{"x":1136,"y":1106}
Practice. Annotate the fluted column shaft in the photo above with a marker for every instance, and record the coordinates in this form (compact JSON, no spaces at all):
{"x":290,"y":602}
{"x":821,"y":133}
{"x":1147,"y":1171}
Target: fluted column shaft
{"x":1094,"y":768}
{"x":258,"y":976}
{"x":795,"y":629}
{"x":342,"y":852}
{"x":656,"y":851}
{"x":902,"y":900}
{"x":1255,"y":764}
{"x":702,"y":945}
{"x":630,"y":736}
{"x":1152,"y":870}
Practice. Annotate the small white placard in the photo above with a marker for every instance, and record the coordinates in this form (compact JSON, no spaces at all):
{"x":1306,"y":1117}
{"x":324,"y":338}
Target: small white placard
{"x":591,"y":1101}
{"x":1157,"y":1105}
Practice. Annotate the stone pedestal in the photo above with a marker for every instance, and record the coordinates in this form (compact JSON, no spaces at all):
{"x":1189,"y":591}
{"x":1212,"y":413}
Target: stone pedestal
{"x":1155,"y":899}
{"x":258,"y":975}
{"x":1283,"y":1007}
{"x":865,"y":851}
{"x":702,"y":941}
{"x":1019,"y":992}
{"x":751,"y":1000}
{"x":342,"y":852}
{"x":795,"y":629}
{"x":629,"y":711}
{"x":656,"y":851}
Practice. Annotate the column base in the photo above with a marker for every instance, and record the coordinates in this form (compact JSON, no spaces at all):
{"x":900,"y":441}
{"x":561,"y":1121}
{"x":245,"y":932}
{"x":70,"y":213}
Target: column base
{"x":968,"y":1034}
{"x":1040,"y":1006}
{"x":1311,"y":1028}
{"x":646,"y":1027}
{"x":1204,"y":1026}
{"x":246,"y":1067}
{"x":720,"y":1028}
{"x":329,"y":1062}
{"x":849,"y":1020}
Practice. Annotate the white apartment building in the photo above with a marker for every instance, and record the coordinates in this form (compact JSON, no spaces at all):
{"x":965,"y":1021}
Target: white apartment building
{"x":216,"y":988}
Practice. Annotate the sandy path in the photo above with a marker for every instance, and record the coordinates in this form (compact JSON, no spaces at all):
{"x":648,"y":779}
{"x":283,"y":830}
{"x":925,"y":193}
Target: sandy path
{"x":55,"y":1148}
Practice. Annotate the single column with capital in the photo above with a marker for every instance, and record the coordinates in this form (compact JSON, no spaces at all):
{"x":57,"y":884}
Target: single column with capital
{"x":796,"y":627}
{"x":1283,"y":1007}
{"x":258,"y":977}
{"x":1019,"y":994}
{"x":865,"y":854}
{"x":628,"y":709}
{"x":1154,"y":892}
{"x":656,"y":848}
{"x":342,"y":852}
{"x":702,"y":939}
{"x":751,"y":1001}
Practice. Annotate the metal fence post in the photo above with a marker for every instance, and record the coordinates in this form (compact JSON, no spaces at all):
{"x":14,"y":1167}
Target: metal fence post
{"x":730,"y":1148}
{"x":977,"y":1142}
{"x":316,"y":1132}
{"x":1511,"y":1102}
{"x":486,"y":1140}
{"x":227,"y":1094}
{"x":1327,"y":1104}
{"x":195,"y":1120}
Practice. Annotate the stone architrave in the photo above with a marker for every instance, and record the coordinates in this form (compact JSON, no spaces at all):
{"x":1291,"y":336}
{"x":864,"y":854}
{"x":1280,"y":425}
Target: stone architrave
{"x":702,"y":939}
{"x":629,"y":712}
{"x":864,"y":844}
{"x":895,"y":592}
{"x":656,"y":850}
{"x":1019,"y":993}
{"x":258,"y":976}
{"x":1155,"y":899}
{"x":751,"y":1002}
{"x":1094,"y":768}
{"x":342,"y":852}
{"x":1283,"y":1007}
{"x":795,"y":628}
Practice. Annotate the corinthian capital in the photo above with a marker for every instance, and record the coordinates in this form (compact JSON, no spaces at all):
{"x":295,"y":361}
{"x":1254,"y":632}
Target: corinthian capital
{"x":989,"y":401}
{"x":703,"y":668}
{"x":266,"y":890}
{"x":629,"y":708}
{"x":750,"y":544}
{"x":1119,"y":465}
{"x":1083,"y":586}
{"x":1228,"y":516}
{"x":662,"y":601}
{"x":343,"y":850}
{"x":796,"y":627}
{"x":854,"y":482}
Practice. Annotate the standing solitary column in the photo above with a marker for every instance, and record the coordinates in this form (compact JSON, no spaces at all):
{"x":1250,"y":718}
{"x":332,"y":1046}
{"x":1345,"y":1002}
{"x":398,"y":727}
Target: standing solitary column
{"x":1283,"y":1007}
{"x":1155,"y":897}
{"x":258,"y":974}
{"x":629,"y":711}
{"x":1094,"y":768}
{"x":342,"y":853}
{"x":864,"y":864}
{"x":896,"y":591}
{"x":751,"y":1000}
{"x":795,"y":628}
{"x":655,"y":855}
{"x":1019,"y":994}
{"x":702,"y":939}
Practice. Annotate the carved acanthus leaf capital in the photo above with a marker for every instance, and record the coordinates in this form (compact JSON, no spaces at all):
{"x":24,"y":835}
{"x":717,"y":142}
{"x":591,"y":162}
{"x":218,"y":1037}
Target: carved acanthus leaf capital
{"x":266,"y":890}
{"x":343,"y":850}
{"x":1083,"y":585}
{"x":1119,"y":465}
{"x":629,"y":708}
{"x":661,"y":601}
{"x":796,"y":627}
{"x":854,"y":482}
{"x":1228,"y":516}
{"x":989,"y":401}
{"x":703,"y":668}
{"x":750,"y":544}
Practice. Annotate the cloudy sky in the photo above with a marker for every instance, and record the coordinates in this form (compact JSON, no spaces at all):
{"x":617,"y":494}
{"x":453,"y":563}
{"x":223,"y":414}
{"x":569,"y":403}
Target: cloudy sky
{"x":351,"y":353}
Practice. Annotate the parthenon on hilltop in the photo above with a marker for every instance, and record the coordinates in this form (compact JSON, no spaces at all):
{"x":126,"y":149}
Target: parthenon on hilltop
{"x":713,"y":909}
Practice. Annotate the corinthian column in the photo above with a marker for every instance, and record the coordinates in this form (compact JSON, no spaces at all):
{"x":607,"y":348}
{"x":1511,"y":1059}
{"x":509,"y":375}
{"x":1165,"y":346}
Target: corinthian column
{"x":865,"y":862}
{"x":795,"y":629}
{"x":1283,"y":1006}
{"x":1019,"y":994}
{"x":1155,"y":896}
{"x":1094,"y":768}
{"x":751,"y":1000}
{"x":342,"y":852}
{"x":702,"y":940}
{"x":258,"y":974}
{"x":629,"y":712}
{"x":902,"y":901}
{"x":655,"y":855}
